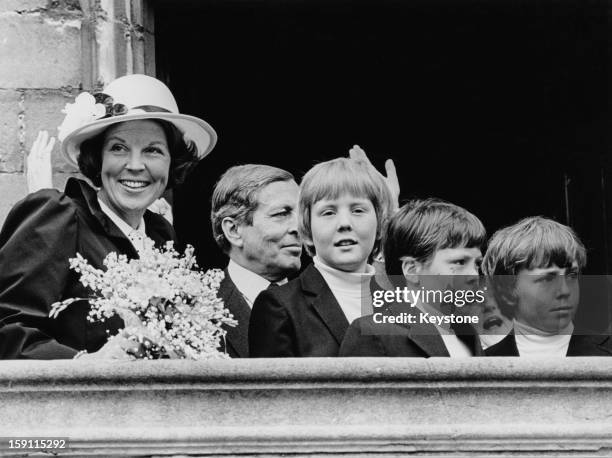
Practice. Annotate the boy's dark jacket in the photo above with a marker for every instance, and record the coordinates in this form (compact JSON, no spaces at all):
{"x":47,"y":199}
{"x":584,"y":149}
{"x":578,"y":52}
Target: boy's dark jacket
{"x":419,"y":340}
{"x":300,"y":318}
{"x":579,"y":345}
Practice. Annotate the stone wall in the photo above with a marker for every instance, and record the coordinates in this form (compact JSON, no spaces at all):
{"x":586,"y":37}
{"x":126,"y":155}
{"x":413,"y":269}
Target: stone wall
{"x":312,"y":407}
{"x":50,"y":50}
{"x":40,"y":51}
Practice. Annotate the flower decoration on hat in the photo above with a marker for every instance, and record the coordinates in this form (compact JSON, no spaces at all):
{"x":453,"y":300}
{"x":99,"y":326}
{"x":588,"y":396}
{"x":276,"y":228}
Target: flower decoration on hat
{"x":88,"y":108}
{"x":112,"y":108}
{"x":82,"y":111}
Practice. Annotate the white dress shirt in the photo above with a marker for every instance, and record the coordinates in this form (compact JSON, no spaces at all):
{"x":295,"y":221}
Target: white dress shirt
{"x":136,"y":236}
{"x":248,"y":282}
{"x":454,"y":345}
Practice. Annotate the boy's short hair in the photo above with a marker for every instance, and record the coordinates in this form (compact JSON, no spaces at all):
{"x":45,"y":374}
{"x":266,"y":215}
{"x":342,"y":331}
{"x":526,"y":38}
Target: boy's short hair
{"x":236,"y":196}
{"x":423,"y":226}
{"x":532,"y":243}
{"x":332,"y":179}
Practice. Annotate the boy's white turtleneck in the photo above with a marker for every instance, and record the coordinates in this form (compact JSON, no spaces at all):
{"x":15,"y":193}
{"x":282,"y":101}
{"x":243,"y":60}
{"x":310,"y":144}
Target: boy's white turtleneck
{"x":347,"y":288}
{"x":532,"y":342}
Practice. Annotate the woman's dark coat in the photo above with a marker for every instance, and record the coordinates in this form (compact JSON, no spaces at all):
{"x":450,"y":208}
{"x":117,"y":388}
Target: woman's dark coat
{"x":39,"y":236}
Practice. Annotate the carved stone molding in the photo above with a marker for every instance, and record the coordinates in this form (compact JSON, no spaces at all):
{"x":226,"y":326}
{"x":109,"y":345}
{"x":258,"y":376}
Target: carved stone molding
{"x":365,"y":406}
{"x":117,"y":38}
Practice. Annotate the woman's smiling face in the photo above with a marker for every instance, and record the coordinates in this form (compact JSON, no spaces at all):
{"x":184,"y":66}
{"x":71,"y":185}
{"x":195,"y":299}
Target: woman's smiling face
{"x":135,"y":167}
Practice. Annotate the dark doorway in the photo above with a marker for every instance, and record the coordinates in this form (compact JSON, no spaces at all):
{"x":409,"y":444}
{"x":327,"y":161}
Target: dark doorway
{"x":499,"y":106}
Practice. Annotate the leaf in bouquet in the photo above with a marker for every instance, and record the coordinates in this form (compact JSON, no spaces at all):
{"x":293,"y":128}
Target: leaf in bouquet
{"x":58,"y":307}
{"x":130,"y":319}
{"x":159,"y":303}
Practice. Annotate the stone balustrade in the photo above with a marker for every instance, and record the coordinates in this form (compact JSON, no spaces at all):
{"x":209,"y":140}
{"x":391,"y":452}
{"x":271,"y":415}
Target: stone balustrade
{"x":393,"y":406}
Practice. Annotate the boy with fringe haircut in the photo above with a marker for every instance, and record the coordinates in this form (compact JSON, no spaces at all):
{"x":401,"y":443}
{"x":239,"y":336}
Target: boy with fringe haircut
{"x":342,"y":210}
{"x":533,"y":267}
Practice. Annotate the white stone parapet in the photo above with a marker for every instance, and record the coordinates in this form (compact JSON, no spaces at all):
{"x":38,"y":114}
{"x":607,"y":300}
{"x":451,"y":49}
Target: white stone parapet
{"x":316,"y":406}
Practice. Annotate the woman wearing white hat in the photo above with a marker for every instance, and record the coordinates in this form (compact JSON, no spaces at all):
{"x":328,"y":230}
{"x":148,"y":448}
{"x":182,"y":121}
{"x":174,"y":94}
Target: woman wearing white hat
{"x":132,"y":143}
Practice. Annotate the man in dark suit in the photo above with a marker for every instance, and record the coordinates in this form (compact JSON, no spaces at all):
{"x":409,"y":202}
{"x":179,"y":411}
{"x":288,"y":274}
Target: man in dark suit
{"x":255,"y":223}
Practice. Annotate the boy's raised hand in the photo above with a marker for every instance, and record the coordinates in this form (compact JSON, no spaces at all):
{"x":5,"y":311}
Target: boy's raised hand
{"x":38,"y":163}
{"x":391,"y":180}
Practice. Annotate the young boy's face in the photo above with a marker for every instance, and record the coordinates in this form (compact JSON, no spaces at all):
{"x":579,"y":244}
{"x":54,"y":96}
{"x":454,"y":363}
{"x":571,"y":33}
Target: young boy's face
{"x":547,"y":298}
{"x":344,"y":231}
{"x":451,"y":269}
{"x":454,"y":261}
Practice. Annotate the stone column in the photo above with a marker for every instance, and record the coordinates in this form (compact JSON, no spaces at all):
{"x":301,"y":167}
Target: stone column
{"x":117,"y":40}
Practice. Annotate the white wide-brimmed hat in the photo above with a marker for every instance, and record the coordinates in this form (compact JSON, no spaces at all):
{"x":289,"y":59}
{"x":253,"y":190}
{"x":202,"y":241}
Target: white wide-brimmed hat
{"x":128,"y":98}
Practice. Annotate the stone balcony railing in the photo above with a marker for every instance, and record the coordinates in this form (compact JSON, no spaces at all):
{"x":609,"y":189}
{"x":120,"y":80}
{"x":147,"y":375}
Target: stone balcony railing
{"x":340,"y":407}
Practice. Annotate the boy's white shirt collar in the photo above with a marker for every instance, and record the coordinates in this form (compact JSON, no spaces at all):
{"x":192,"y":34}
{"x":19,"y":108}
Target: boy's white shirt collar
{"x":248,"y":282}
{"x":531,"y":342}
{"x":347,"y":288}
{"x":454,"y":345}
{"x":346,"y":278}
{"x":124,"y":227}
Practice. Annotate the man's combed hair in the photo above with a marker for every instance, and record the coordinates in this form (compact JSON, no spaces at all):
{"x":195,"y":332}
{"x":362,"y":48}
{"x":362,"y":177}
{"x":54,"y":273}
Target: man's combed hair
{"x":423,"y":226}
{"x":332,"y":179}
{"x":183,"y":155}
{"x":236,"y":194}
{"x":532,"y":243}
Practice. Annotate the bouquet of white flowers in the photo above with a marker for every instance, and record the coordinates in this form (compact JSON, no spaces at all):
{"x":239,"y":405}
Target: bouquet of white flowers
{"x":165,"y":303}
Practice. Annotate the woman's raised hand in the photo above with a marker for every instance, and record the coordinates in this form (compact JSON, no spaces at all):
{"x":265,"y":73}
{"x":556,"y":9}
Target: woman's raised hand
{"x":391,"y":179}
{"x":38,"y":163}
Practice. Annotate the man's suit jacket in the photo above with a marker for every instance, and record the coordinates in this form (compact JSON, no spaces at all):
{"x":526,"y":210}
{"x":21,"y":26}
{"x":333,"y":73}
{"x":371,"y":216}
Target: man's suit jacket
{"x":419,"y":340}
{"x":236,"y":339}
{"x":300,"y":318}
{"x":579,"y":345}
